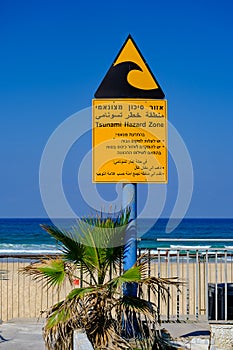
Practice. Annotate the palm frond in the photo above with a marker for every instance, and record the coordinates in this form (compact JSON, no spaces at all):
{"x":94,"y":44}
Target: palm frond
{"x":132,"y":275}
{"x":51,"y":272}
{"x":60,"y":315}
{"x":54,"y":272}
{"x":106,"y":231}
{"x":70,"y":244}
{"x":137,"y":304}
{"x":73,"y":250}
{"x":80,"y":292}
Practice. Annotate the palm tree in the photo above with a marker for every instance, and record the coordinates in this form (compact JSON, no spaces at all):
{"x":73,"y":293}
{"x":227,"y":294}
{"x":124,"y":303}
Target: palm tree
{"x":96,"y":248}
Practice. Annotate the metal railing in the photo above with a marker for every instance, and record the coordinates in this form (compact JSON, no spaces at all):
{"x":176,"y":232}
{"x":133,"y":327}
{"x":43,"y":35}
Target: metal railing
{"x":206,"y":276}
{"x":206,"y":290}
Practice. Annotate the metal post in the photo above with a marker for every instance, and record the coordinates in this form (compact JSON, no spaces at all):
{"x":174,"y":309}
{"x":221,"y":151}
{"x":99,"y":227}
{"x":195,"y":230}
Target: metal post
{"x":207,"y":285}
{"x":159,"y":289}
{"x":225,"y":284}
{"x":216,"y":285}
{"x":129,"y":199}
{"x":168,"y":288}
{"x":178,"y":291}
{"x":187,"y":288}
{"x":149,"y":272}
{"x":197,"y":285}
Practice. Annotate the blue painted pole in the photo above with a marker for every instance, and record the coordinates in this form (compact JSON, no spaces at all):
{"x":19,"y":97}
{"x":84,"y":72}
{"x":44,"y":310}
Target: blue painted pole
{"x":129,"y":199}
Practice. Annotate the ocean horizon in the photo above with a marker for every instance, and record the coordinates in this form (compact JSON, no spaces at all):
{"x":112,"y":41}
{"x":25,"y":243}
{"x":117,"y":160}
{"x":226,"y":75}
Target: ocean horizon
{"x":25,"y":235}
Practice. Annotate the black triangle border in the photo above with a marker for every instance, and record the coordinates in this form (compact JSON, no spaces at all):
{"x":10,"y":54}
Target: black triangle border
{"x":142,"y":57}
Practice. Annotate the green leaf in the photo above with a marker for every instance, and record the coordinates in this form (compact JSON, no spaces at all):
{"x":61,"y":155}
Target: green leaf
{"x":70,"y":244}
{"x":80,"y":292}
{"x":61,"y":315}
{"x":131,"y":275}
{"x":54,"y":272}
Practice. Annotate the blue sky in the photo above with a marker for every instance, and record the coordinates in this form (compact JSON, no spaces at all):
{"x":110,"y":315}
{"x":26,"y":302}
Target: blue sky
{"x":54,"y":54}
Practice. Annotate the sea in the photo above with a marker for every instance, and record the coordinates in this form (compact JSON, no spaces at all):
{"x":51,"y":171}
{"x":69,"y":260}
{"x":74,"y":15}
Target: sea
{"x":23,"y":236}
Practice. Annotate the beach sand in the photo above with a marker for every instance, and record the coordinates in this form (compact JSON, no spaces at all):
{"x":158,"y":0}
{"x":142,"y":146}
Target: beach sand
{"x":21,"y":297}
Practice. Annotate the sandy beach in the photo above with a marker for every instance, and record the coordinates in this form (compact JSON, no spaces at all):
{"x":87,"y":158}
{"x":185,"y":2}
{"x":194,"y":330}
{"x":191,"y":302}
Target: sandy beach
{"x":21,"y":297}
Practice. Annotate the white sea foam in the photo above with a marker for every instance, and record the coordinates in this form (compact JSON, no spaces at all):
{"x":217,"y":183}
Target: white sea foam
{"x":190,"y":247}
{"x":28,"y":249}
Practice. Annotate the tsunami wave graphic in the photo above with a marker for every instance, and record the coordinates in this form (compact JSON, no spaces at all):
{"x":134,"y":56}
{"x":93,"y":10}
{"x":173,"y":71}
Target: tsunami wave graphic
{"x":129,"y":76}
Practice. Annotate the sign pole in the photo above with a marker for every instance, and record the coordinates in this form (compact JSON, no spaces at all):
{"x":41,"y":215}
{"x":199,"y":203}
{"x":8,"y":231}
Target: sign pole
{"x":129,"y":199}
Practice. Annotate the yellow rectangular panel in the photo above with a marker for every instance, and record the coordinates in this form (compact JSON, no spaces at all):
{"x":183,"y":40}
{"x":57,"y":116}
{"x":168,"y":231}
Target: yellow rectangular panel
{"x":129,"y":140}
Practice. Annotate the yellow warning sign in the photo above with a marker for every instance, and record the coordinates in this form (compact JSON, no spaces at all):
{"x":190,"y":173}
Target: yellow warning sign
{"x":129,"y":76}
{"x":129,"y":140}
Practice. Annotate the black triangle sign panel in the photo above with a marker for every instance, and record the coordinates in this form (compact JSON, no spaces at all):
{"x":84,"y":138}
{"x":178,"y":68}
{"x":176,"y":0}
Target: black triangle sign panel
{"x":129,"y":76}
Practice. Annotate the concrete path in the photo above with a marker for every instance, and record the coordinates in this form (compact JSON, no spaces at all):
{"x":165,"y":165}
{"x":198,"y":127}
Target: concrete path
{"x":26,"y":334}
{"x":187,"y":329}
{"x":21,"y":334}
{"x":188,"y":335}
